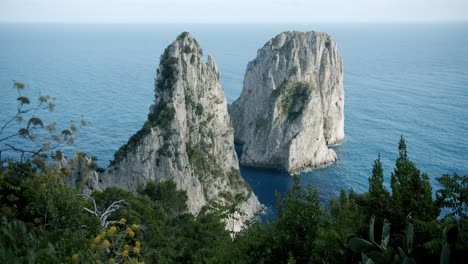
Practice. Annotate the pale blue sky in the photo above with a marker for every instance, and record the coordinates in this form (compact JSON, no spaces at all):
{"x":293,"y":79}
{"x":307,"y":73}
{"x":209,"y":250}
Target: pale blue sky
{"x":232,"y":11}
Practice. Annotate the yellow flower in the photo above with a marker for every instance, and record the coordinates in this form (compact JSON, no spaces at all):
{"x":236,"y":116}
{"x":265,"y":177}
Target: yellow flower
{"x":97,"y":239}
{"x":112,"y":260}
{"x":126,"y":247}
{"x":137,"y":244}
{"x":105,"y":244}
{"x":112,"y":230}
{"x":136,"y":250}
{"x":74,"y":257}
{"x":12,"y":198}
{"x":135,"y":227}
{"x":103,"y":234}
{"x":123,"y":220}
{"x":129,"y":232}
{"x":125,"y":253}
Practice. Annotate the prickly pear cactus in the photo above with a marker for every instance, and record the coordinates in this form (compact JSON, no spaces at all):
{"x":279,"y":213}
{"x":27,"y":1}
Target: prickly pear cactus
{"x":383,"y":254}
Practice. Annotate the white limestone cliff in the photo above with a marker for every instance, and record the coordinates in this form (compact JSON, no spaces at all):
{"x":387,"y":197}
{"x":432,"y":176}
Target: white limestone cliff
{"x":188,"y":137}
{"x":292,"y":104}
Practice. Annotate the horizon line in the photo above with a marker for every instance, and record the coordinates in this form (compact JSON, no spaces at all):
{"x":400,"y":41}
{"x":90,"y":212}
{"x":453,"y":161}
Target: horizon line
{"x":239,"y":22}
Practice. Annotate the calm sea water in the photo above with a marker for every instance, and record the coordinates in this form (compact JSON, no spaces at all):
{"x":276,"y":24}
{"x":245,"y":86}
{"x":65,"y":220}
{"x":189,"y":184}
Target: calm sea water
{"x":409,"y":79}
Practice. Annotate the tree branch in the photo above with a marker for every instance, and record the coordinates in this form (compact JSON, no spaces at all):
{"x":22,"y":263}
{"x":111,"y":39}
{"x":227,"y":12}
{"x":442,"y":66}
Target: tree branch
{"x":89,"y":211}
{"x":7,"y":123}
{"x":103,"y":217}
{"x":96,"y":211}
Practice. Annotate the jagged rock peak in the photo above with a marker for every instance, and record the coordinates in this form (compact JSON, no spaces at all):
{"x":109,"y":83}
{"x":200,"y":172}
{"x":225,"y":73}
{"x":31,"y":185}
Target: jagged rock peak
{"x":292,"y":104}
{"x":188,"y":136}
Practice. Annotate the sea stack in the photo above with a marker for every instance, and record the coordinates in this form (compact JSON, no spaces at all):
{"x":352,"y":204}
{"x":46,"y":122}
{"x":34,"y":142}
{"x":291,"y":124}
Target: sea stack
{"x":292,"y":104}
{"x":188,"y":137}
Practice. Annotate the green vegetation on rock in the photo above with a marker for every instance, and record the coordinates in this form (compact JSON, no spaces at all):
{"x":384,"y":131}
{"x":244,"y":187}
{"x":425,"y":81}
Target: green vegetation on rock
{"x":187,"y":49}
{"x":163,"y":113}
{"x":261,"y":125}
{"x":293,"y":97}
{"x":167,"y":69}
{"x":192,"y":59}
{"x":199,"y":110}
{"x":200,"y":158}
{"x":182,"y":35}
{"x":162,"y":117}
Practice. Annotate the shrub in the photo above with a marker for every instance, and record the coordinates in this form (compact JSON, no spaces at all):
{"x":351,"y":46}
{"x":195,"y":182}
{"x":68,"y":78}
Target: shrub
{"x":187,"y":49}
{"x":294,"y":97}
{"x":199,"y":110}
{"x":261,"y":124}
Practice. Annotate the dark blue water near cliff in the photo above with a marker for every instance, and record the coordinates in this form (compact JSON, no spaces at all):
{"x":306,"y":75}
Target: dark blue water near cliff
{"x":409,"y":79}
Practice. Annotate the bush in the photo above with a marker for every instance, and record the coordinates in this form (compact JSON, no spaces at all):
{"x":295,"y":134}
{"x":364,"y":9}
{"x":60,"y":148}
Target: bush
{"x":294,"y":97}
{"x":187,"y":49}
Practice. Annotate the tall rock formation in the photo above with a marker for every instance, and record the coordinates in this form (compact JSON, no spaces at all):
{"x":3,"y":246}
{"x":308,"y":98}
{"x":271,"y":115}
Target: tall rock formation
{"x":188,"y":136}
{"x":292,"y":104}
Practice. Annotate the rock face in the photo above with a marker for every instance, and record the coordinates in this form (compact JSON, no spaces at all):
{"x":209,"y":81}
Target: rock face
{"x":292,"y":104}
{"x":188,"y":136}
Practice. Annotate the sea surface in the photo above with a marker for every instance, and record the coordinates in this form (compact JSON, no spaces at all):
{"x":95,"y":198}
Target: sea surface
{"x":409,"y":79}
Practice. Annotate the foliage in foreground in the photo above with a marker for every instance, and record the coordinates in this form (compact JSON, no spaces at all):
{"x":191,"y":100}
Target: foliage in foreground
{"x":27,"y":134}
{"x":405,"y":218}
{"x":153,"y":225}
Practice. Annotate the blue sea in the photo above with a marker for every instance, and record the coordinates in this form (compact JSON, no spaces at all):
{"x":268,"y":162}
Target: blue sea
{"x":409,"y":79}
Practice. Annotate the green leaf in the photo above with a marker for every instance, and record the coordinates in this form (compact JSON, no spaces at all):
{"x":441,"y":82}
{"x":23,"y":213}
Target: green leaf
{"x":51,"y":106}
{"x":51,"y":128}
{"x":35,"y":122}
{"x":23,"y":100}
{"x":43,"y":99}
{"x":409,"y":260}
{"x":58,"y":155}
{"x":66,"y":132}
{"x":378,"y":258}
{"x":402,"y":253}
{"x":39,"y":162}
{"x":18,"y":85}
{"x":23,"y":132}
{"x":371,"y":229}
{"x":359,"y":245}
{"x":56,"y":138}
{"x":445,"y":254}
{"x":385,"y":235}
{"x":409,"y":238}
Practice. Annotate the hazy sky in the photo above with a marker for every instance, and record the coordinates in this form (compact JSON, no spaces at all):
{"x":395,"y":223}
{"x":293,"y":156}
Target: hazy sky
{"x":243,"y":11}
